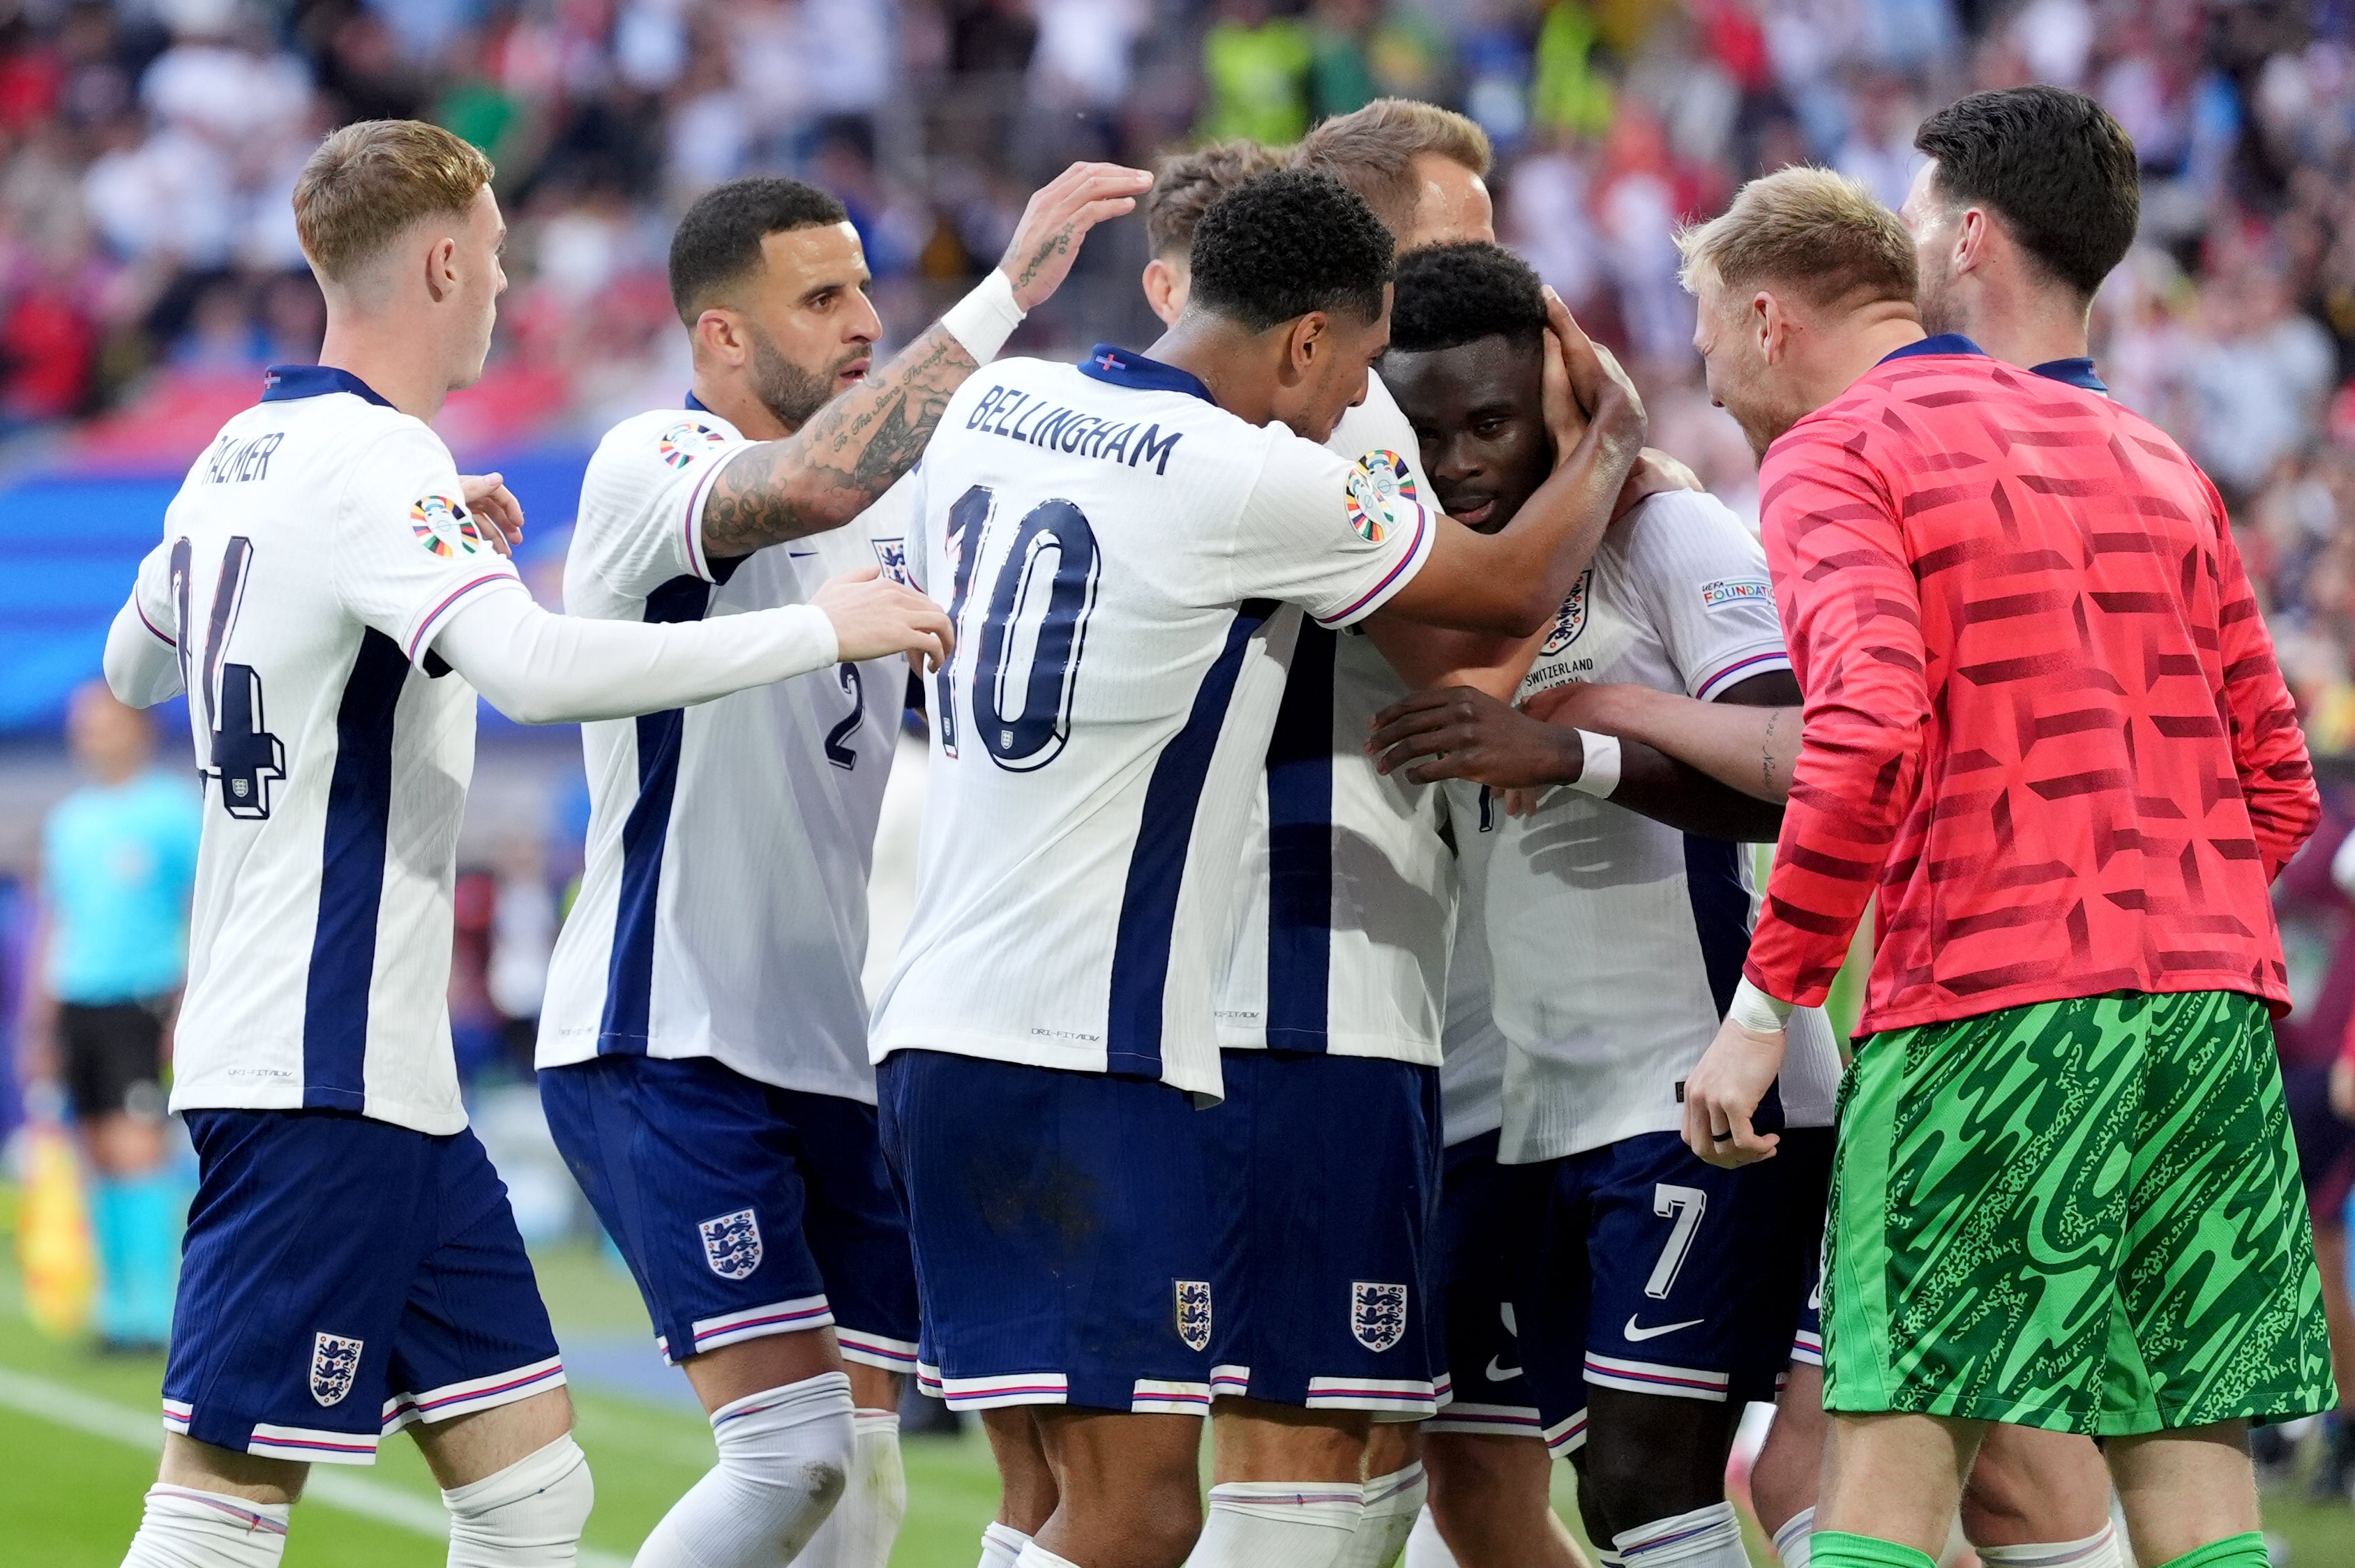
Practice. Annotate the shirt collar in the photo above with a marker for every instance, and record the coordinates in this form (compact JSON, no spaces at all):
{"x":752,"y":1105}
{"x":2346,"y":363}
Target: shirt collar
{"x":285,"y":383}
{"x":1119,"y":367}
{"x":1944,"y":343}
{"x":2076,"y":372}
{"x":698,"y":404}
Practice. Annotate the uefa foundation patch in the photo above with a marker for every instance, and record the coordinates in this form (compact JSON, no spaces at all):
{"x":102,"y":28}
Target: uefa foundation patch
{"x":443,"y":526}
{"x":685,"y":441}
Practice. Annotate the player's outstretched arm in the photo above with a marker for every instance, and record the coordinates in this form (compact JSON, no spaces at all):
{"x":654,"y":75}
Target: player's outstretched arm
{"x":537,"y":667}
{"x":2269,"y":752}
{"x":1513,"y":580}
{"x":1746,"y":740}
{"x":857,"y":446}
{"x":1460,"y":732}
{"x":142,"y":669}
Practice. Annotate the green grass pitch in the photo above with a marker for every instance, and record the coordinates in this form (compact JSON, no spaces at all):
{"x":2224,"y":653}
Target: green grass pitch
{"x":70,"y":1496}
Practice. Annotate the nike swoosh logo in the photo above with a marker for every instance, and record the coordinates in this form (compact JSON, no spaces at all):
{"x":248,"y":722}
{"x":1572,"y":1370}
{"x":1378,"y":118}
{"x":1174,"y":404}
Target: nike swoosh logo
{"x":1637,"y":1334}
{"x":1498,"y":1374}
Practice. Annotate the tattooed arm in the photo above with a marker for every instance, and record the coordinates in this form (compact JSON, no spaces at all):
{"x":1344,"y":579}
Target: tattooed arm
{"x":1746,"y":739}
{"x":858,"y":446}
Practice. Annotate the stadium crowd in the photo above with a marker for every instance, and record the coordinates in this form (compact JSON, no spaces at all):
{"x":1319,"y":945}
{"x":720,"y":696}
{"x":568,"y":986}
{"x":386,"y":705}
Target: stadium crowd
{"x":148,"y":150}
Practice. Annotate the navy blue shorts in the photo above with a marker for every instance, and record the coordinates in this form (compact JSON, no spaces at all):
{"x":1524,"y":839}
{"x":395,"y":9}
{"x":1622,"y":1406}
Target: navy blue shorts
{"x":1323,"y":1193}
{"x":1657,"y":1272}
{"x":1490,"y":1216}
{"x":341,"y":1278}
{"x":1062,"y":1244}
{"x":742,"y":1209}
{"x":1807,"y":1195}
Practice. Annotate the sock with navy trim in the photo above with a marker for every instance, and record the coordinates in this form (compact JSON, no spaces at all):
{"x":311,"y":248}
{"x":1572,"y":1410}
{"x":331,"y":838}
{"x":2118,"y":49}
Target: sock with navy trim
{"x":1001,"y":1545}
{"x":1703,"y":1538}
{"x":2099,"y":1550}
{"x":784,"y":1457}
{"x":1392,"y":1503}
{"x":1792,"y":1542}
{"x":1279,"y":1524}
{"x":184,"y":1528}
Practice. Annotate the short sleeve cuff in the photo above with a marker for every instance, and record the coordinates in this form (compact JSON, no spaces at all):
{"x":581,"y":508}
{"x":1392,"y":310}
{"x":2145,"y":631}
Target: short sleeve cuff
{"x":691,"y":524}
{"x":1399,"y":574}
{"x":421,"y":639}
{"x":162,"y":635}
{"x":1734,"y":669}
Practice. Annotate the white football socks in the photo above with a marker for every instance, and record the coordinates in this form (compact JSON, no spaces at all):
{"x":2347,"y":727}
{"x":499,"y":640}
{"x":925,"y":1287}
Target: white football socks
{"x":1279,"y":1524}
{"x":859,"y":1532}
{"x":1425,"y":1547}
{"x":2096,"y":1551}
{"x":1036,"y":1556}
{"x":1392,"y":1503}
{"x":1792,"y":1542}
{"x":1001,"y":1545}
{"x":184,"y":1527}
{"x":785,"y":1457}
{"x":528,"y":1515}
{"x":1704,"y":1538}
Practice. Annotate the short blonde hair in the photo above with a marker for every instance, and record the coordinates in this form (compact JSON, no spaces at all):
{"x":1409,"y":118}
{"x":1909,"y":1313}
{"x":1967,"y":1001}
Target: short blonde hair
{"x":1372,"y":151}
{"x":1820,"y":232}
{"x":1185,"y":184}
{"x":370,"y":181}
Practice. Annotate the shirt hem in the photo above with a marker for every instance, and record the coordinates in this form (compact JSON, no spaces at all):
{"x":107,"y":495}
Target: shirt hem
{"x":1380,"y":1048}
{"x":736,"y":1062}
{"x":1882,"y":1019}
{"x":1028,"y":1053}
{"x":417,"y":1120}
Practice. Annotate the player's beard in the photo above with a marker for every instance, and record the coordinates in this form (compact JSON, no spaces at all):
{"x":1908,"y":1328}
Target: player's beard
{"x":787,"y":390}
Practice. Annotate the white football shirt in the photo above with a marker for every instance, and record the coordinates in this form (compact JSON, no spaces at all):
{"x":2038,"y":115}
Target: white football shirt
{"x":1472,"y":1061}
{"x":722,"y":910}
{"x":1114,"y":549}
{"x":309,"y":559}
{"x":1616,"y":941}
{"x":1345,"y":892}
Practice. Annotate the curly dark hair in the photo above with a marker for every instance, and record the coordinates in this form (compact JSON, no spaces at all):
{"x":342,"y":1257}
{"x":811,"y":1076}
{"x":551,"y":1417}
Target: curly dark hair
{"x":718,"y":241}
{"x":2061,"y":172}
{"x":1280,"y":245}
{"x":1449,"y":294}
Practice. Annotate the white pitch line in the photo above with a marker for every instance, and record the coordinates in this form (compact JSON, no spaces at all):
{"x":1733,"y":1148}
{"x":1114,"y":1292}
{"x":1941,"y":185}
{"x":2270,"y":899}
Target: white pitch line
{"x":371,"y":1500}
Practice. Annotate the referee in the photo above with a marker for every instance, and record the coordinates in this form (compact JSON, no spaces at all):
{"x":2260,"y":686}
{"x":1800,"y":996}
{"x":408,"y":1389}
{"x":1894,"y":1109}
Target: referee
{"x":118,"y":858}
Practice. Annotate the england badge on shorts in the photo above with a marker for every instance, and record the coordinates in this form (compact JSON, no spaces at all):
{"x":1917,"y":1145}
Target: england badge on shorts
{"x":732,"y":1244}
{"x":335,"y":1364}
{"x":1194,"y":1313}
{"x":1377,"y":1314}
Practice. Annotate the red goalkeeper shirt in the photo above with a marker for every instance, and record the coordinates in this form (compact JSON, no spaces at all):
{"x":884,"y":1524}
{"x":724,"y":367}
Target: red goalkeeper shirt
{"x":2043,"y":717}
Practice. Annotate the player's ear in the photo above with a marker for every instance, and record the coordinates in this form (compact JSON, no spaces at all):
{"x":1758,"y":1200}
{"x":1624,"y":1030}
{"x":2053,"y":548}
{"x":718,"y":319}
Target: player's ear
{"x":1305,"y":341}
{"x":718,"y":333}
{"x":1771,"y":325}
{"x":1971,"y":237}
{"x":1162,"y":291}
{"x":441,"y":269}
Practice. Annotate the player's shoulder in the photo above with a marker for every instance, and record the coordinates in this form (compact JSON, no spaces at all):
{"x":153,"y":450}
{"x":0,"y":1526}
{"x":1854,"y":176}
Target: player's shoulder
{"x":664,"y":441}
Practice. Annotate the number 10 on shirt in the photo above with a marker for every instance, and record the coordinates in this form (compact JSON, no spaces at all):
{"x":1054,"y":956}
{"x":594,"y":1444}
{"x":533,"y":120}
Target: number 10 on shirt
{"x":1034,"y":628}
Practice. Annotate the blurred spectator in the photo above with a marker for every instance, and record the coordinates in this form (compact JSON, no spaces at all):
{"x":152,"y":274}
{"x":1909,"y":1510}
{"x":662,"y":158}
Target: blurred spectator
{"x":523,"y":937}
{"x":118,"y":863}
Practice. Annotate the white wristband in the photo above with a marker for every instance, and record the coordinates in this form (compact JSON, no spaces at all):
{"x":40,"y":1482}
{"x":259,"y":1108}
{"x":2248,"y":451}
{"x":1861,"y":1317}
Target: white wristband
{"x":984,"y":318}
{"x":1599,"y":776}
{"x":1756,"y":1011}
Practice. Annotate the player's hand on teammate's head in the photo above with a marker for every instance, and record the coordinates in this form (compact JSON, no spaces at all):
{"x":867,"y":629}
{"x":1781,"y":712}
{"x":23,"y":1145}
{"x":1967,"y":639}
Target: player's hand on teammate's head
{"x":488,"y":498}
{"x":1584,"y":385}
{"x":1058,"y":217}
{"x":874,"y":616}
{"x":1722,"y":1092}
{"x":1656,"y":472}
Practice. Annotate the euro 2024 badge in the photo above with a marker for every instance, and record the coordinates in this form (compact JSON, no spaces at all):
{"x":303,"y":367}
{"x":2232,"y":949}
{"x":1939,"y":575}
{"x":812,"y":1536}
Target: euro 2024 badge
{"x":685,"y":441}
{"x":1377,"y":484}
{"x":732,"y":1244}
{"x":1377,"y":1314}
{"x":443,"y":526}
{"x":335,"y":1366}
{"x":1193,"y":1304}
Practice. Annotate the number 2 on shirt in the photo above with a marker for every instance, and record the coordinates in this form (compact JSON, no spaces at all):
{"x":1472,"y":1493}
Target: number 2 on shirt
{"x":1022,"y":715}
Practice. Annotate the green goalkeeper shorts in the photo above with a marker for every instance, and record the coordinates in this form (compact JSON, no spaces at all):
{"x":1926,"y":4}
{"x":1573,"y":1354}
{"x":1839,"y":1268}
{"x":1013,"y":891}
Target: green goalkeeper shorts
{"x":2084,"y":1216}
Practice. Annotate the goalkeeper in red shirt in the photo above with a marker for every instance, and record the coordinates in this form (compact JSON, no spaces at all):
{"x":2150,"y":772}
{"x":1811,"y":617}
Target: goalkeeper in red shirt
{"x":2045,"y":724}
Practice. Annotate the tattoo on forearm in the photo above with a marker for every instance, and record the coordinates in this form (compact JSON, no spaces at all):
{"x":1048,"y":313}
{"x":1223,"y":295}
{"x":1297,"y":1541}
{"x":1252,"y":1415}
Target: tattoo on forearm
{"x":1766,"y":753}
{"x":834,"y":467}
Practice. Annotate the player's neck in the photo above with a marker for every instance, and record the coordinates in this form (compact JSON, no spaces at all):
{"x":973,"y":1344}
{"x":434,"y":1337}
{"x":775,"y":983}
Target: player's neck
{"x":735,"y":402}
{"x":1839,"y":357}
{"x":401,"y":366}
{"x":1205,"y":348}
{"x":2029,"y":327}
